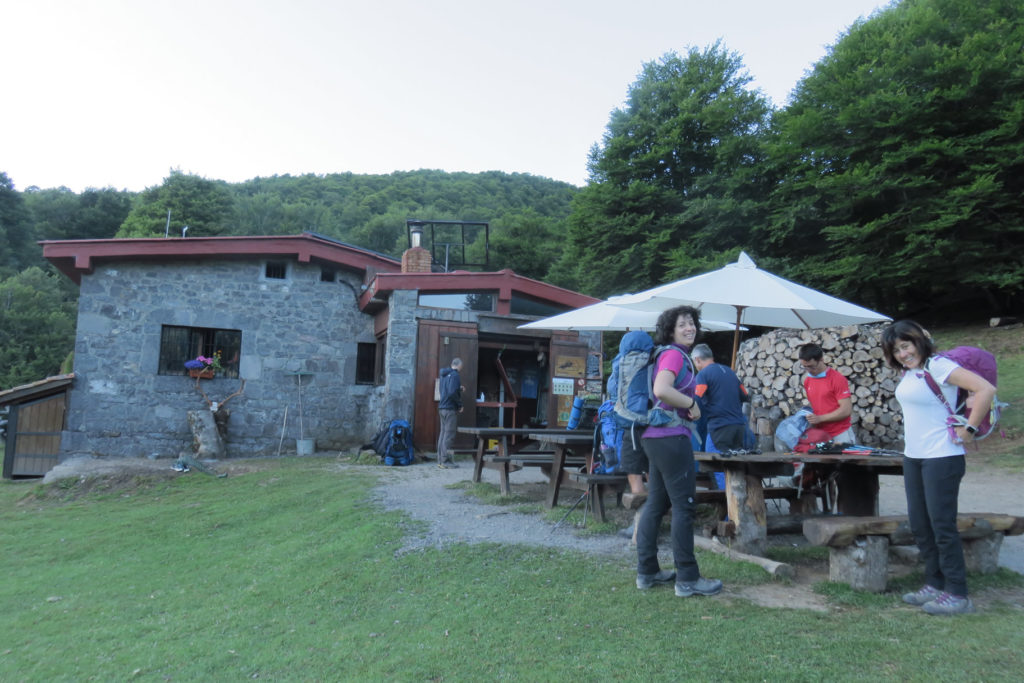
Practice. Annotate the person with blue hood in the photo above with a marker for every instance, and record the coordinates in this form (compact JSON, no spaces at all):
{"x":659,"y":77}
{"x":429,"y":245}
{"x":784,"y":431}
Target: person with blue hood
{"x":449,"y":408}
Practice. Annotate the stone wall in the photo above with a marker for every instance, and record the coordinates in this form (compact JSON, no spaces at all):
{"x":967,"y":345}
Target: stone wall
{"x":770,"y":369}
{"x":119,"y":405}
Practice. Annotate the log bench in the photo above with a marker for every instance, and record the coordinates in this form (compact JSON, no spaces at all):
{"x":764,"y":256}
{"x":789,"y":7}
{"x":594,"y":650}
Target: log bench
{"x":859,"y":546}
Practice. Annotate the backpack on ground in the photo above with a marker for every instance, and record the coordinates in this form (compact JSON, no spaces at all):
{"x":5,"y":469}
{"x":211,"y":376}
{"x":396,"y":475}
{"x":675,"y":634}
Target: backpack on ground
{"x":393,"y":443}
{"x":607,"y":441}
{"x":981,"y":363}
{"x":631,"y":384}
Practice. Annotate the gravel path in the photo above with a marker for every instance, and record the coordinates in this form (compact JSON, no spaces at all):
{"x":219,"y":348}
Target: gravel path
{"x":421,"y":492}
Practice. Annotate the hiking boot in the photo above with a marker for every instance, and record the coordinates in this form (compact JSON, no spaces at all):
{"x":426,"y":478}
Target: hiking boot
{"x":701,"y":586}
{"x":627,"y":532}
{"x":442,"y":465}
{"x":645,"y":581}
{"x":926,"y":594}
{"x":947,"y":603}
{"x":632,"y":501}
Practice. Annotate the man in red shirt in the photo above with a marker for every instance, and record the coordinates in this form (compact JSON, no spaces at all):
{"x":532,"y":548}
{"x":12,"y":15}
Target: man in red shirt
{"x":829,"y":395}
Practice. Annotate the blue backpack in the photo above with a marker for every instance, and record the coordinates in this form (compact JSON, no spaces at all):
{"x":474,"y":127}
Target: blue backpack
{"x":607,"y":441}
{"x":393,"y":443}
{"x":631,"y":384}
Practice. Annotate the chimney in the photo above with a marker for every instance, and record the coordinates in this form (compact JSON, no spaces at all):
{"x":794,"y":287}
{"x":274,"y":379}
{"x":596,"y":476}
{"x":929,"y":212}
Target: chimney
{"x":416,"y":259}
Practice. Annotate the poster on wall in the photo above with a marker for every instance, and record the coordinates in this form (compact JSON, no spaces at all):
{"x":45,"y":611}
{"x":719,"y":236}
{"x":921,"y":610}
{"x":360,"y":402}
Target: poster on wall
{"x":564,"y":409}
{"x":594,"y":366}
{"x":562,"y":386}
{"x":530,"y":384}
{"x":570,"y":366}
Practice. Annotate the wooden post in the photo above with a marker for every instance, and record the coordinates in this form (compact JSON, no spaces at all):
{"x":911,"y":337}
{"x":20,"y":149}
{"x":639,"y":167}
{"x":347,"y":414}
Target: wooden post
{"x":747,"y":511}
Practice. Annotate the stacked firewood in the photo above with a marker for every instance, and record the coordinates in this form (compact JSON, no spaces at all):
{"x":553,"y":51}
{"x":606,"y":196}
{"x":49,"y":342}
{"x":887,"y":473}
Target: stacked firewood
{"x":770,"y":368}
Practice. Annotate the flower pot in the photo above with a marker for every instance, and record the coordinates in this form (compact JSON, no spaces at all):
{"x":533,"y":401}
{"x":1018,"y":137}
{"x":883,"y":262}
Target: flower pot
{"x":201,"y":373}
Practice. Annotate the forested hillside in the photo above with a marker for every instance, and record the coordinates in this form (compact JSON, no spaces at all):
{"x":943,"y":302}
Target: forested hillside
{"x":892,"y":178}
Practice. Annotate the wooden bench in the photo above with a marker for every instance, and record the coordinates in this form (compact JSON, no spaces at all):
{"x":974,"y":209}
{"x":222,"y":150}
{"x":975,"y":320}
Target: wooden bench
{"x":597,"y":486}
{"x":506,"y":464}
{"x":859,"y":546}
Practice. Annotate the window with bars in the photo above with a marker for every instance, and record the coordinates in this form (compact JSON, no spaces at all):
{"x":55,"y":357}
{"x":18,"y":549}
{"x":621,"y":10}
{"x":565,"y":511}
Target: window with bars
{"x":179,"y":344}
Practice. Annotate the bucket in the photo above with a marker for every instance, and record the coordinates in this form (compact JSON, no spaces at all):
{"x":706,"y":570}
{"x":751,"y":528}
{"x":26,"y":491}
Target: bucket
{"x":304,"y":446}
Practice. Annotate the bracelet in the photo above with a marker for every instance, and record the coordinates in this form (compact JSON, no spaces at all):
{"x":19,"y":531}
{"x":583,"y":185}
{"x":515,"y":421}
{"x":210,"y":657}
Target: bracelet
{"x":971,"y":429}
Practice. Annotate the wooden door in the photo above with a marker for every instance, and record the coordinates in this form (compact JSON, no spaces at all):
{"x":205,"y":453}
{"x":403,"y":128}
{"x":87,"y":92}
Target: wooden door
{"x":33,"y":447}
{"x":437,"y":344}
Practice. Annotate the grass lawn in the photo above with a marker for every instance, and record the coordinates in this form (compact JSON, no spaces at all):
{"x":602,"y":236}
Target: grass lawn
{"x":290,"y":572}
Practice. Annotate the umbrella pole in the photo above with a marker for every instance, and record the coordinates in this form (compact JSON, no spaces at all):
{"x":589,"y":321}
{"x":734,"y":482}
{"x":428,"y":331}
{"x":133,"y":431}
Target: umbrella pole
{"x":736,"y":335}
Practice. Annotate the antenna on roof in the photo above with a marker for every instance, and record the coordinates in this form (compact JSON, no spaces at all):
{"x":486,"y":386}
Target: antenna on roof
{"x":167,"y":228}
{"x":184,"y":230}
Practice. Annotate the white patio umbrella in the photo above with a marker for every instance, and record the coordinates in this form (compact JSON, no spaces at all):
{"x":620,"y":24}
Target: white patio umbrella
{"x":743,"y":292}
{"x":607,"y":318}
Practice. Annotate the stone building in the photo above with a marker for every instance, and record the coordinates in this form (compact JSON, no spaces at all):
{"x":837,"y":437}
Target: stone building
{"x":329,"y":339}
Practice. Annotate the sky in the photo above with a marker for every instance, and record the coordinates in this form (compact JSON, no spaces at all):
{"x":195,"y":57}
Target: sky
{"x":116,"y":93}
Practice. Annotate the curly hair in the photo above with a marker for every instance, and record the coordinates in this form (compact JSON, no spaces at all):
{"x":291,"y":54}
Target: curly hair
{"x":665,"y":328}
{"x":906,"y":330}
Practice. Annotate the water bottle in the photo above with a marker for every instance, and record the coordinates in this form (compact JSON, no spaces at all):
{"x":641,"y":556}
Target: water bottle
{"x":577,"y":412}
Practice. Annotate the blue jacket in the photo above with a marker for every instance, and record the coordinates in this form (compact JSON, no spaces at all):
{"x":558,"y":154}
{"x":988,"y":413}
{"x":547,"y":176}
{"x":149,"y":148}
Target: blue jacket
{"x":451,"y":390}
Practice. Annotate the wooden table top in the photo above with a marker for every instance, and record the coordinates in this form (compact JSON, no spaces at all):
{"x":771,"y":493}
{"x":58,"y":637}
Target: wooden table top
{"x":858,"y":459}
{"x":564,"y":438}
{"x":512,"y":431}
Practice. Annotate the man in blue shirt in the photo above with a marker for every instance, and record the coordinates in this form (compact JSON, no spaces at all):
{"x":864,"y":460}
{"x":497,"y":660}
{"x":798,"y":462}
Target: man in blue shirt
{"x":449,"y":408}
{"x":721,"y":395}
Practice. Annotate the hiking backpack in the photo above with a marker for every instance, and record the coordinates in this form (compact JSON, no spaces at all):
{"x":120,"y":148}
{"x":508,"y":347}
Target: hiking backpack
{"x":393,"y":443}
{"x":631,"y":384}
{"x":607,"y":441}
{"x":981,"y":363}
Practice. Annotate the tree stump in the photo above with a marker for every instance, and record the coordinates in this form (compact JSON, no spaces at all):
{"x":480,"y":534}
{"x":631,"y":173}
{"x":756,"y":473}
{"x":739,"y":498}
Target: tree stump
{"x":864,"y":564}
{"x":982,"y":554}
{"x":206,"y":440}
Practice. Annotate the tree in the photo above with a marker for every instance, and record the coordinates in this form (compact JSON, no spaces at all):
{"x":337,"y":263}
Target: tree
{"x":900,"y":160}
{"x":676,"y":174}
{"x":526,"y":242}
{"x":17,"y":248}
{"x":60,"y":214}
{"x":37,"y":327}
{"x":205,"y":206}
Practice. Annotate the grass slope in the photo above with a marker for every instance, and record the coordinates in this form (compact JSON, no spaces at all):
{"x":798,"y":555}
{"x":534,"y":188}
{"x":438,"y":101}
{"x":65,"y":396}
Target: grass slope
{"x":289,"y":572}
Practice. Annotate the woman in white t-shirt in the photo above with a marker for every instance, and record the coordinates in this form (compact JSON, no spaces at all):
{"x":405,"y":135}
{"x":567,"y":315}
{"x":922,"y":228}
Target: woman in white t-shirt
{"x":933,"y":462}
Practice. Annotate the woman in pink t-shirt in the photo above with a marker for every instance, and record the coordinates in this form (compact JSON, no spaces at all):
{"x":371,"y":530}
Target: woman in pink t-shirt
{"x":671,"y":475}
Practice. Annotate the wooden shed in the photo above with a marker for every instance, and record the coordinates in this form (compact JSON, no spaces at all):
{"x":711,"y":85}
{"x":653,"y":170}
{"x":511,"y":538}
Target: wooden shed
{"x":37,"y":414}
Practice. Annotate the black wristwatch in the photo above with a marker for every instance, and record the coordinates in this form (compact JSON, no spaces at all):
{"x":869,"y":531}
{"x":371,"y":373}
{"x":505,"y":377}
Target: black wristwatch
{"x":971,"y":428}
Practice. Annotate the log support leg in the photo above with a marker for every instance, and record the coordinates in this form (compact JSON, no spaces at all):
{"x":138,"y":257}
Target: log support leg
{"x":864,"y":564}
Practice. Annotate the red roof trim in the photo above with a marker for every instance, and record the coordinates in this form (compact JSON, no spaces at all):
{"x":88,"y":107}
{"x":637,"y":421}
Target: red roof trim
{"x":74,"y":257}
{"x":505,"y":282}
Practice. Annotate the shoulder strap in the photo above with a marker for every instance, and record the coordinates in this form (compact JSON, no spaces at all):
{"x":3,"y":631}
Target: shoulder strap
{"x":934,"y":386}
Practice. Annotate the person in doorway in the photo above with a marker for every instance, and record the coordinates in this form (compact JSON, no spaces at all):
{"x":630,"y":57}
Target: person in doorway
{"x":829,"y":395}
{"x":933,"y":461}
{"x":721,"y":397}
{"x":671,"y":475}
{"x":449,"y":408}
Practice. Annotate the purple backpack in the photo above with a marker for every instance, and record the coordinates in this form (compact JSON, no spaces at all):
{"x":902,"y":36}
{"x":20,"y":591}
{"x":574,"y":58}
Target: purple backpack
{"x":982,"y":363}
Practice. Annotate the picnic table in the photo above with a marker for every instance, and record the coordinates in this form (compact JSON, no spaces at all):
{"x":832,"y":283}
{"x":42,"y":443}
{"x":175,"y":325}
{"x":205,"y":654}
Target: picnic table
{"x":856,"y":481}
{"x":580,"y":444}
{"x":515,"y":448}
